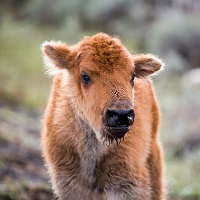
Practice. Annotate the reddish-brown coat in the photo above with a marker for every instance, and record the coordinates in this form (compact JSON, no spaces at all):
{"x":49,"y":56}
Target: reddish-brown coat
{"x":81,"y":165}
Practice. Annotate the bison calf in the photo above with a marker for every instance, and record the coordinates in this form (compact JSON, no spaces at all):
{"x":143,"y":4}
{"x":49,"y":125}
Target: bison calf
{"x":100,"y":137}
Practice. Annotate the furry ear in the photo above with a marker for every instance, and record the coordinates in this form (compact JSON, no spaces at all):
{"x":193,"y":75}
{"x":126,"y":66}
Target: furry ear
{"x":57,"y":55}
{"x":147,"y":64}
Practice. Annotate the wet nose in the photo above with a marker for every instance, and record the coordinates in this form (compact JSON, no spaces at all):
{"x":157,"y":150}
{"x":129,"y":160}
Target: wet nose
{"x":116,"y":118}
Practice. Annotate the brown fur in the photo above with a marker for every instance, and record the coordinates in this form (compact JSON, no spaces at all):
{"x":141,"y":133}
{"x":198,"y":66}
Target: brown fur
{"x":82,"y":163}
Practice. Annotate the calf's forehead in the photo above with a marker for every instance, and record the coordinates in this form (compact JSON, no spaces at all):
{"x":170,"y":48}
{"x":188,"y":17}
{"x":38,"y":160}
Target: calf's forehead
{"x":104,"y":54}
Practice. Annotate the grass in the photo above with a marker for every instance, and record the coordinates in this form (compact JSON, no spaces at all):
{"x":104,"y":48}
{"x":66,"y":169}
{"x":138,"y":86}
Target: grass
{"x":21,"y":72}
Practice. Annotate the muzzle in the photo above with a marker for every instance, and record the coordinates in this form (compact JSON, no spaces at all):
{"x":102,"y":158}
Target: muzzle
{"x":117,"y":118}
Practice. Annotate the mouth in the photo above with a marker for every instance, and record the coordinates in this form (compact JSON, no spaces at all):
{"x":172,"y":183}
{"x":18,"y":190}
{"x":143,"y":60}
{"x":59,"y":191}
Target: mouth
{"x":116,"y":133}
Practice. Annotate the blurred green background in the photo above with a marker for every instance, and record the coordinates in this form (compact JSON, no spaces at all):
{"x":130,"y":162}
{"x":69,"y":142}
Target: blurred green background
{"x":167,"y":28}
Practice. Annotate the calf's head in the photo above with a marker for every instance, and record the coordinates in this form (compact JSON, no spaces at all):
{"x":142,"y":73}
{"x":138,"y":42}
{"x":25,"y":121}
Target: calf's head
{"x":100,"y":81}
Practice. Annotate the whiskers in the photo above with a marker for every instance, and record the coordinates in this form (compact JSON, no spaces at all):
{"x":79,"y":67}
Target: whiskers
{"x":108,"y":140}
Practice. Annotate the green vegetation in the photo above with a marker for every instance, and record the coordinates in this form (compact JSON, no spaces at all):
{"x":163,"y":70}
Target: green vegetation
{"x":180,"y":107}
{"x":172,"y":33}
{"x":21,"y":71}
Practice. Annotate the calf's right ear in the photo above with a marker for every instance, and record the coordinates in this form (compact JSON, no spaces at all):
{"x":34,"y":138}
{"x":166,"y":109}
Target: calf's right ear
{"x":57,"y":55}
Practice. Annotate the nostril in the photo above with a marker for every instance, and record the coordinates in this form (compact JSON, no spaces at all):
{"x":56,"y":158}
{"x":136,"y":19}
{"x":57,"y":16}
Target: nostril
{"x":112,"y":117}
{"x":130,"y":116}
{"x":111,"y":113}
{"x":130,"y":113}
{"x":130,"y":119}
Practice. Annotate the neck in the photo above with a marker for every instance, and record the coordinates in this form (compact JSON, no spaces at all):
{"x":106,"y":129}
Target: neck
{"x":90,"y":154}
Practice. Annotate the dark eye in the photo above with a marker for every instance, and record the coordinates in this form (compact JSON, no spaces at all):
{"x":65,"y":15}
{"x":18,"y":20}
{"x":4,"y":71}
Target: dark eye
{"x":132,"y":79}
{"x":85,"y":79}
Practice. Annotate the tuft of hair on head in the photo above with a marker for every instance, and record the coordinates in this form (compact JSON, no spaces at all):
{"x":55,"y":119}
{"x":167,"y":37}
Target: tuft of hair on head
{"x":147,"y":64}
{"x":57,"y":56}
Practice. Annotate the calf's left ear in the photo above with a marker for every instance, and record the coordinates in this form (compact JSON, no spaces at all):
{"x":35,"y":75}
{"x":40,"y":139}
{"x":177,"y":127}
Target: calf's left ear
{"x":147,"y":64}
{"x":57,"y":55}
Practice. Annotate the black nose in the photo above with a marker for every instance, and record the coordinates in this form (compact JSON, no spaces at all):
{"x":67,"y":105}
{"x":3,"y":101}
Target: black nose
{"x":116,"y":118}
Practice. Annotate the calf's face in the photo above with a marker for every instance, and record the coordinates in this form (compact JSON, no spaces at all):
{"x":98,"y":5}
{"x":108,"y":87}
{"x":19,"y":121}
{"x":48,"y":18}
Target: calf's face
{"x":101,"y":73}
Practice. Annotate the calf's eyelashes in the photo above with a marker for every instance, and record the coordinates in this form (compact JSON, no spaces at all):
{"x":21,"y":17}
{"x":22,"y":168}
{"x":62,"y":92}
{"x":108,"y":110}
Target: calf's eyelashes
{"x":132,"y":79}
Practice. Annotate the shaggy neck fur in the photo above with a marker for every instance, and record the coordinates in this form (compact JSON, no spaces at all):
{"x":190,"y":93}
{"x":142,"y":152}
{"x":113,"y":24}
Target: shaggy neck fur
{"x":91,"y":154}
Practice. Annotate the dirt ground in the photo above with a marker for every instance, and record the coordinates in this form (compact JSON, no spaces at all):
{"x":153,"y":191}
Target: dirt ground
{"x":23,"y":175}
